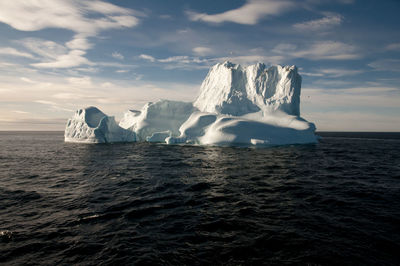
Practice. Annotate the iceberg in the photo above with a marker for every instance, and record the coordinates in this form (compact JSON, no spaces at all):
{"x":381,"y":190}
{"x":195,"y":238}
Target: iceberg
{"x":90,"y":125}
{"x":253,"y":106}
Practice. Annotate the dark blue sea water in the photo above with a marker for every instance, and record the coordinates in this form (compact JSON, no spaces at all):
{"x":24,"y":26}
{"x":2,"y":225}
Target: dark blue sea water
{"x":333,"y":203}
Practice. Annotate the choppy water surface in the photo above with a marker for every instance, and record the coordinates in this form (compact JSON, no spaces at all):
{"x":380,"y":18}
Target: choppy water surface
{"x":337,"y":202}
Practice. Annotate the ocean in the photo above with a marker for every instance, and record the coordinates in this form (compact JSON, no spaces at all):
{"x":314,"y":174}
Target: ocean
{"x":332,"y":203}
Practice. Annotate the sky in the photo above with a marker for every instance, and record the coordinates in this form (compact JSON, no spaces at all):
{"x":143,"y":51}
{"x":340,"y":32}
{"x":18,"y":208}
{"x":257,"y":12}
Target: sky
{"x":57,"y":56}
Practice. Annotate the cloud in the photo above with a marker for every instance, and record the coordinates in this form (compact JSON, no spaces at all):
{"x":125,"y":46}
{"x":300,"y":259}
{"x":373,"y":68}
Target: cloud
{"x":79,"y":42}
{"x":85,"y":18}
{"x":250,"y":59}
{"x":67,"y":96}
{"x":107,"y":8}
{"x":147,"y":57}
{"x":107,"y":85}
{"x":77,"y":16}
{"x":329,"y":21}
{"x":28,"y":80}
{"x":45,"y":102}
{"x":333,"y":72}
{"x":202,"y":50}
{"x":80,"y":81}
{"x":386,"y":65}
{"x":14,"y":52}
{"x":178,"y":59}
{"x":117,"y":55}
{"x":393,"y":47}
{"x":73,"y":59}
{"x":319,"y":50}
{"x":53,"y":105}
{"x":54,"y":55}
{"x":122,"y":71}
{"x":43,"y":48}
{"x":184,"y":62}
{"x":249,"y":14}
{"x":20,"y":112}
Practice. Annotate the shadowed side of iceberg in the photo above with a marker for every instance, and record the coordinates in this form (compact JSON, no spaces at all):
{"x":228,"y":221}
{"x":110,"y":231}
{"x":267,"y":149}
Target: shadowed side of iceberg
{"x":90,"y":125}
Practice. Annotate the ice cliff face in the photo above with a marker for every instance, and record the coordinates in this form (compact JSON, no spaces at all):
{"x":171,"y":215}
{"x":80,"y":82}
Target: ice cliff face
{"x":237,"y":105}
{"x":158,"y":117}
{"x":236,"y":90}
{"x":90,"y":125}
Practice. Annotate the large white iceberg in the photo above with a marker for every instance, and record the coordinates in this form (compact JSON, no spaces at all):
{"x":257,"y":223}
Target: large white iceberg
{"x":237,"y":105}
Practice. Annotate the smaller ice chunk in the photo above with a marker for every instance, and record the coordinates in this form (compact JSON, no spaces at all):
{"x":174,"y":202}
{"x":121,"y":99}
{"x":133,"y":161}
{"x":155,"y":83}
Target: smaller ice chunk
{"x":259,"y":142}
{"x":90,"y":125}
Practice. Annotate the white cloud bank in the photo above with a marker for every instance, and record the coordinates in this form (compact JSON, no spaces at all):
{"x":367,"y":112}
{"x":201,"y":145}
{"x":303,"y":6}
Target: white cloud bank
{"x":85,"y":18}
{"x":31,"y":15}
{"x":249,"y":14}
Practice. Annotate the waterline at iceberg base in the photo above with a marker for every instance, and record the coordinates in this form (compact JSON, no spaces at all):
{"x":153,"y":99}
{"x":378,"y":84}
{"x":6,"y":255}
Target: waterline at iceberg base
{"x":253,"y":105}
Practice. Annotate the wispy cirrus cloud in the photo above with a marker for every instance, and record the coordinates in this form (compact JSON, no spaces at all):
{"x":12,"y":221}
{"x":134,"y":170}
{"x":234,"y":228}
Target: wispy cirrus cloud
{"x":20,"y":112}
{"x":28,"y":80}
{"x":147,"y":57}
{"x":392,"y":65}
{"x":14,"y":52}
{"x":319,"y":50}
{"x":328,"y":21}
{"x":201,"y":50}
{"x":393,"y":47}
{"x":332,"y":72}
{"x":43,"y":48}
{"x":73,"y":59}
{"x":180,"y":61}
{"x":80,"y":43}
{"x":117,"y":55}
{"x":249,"y":14}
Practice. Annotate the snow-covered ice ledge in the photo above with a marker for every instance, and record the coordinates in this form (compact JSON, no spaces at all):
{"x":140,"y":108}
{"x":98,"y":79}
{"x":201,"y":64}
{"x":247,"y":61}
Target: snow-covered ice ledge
{"x":254,"y":105}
